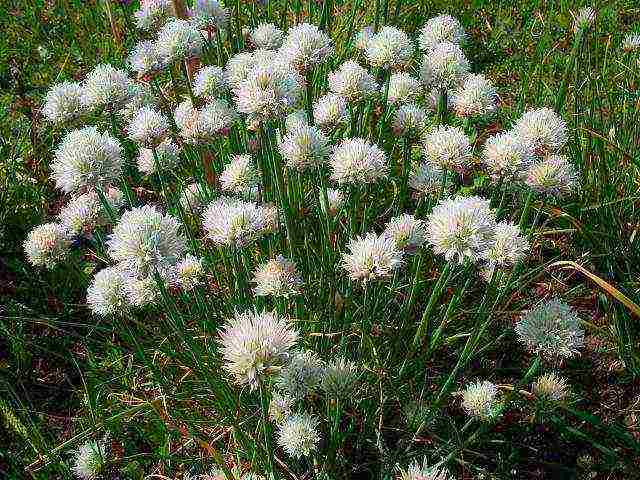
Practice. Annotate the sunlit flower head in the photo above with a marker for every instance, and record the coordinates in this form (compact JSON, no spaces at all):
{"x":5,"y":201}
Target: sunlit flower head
{"x":443,"y":28}
{"x":509,"y":246}
{"x":479,"y":400}
{"x":145,"y":59}
{"x":205,"y":124}
{"x":356,"y":161}
{"x":148,"y":127}
{"x":210,"y":83}
{"x":475,"y":97}
{"x":240,"y":177}
{"x":239,"y":66}
{"x":584,"y":18}
{"x":552,"y":330}
{"x":106,"y":294}
{"x":298,"y":435}
{"x":403,"y":88}
{"x":417,"y":471}
{"x":146,"y":241}
{"x":86,"y":159}
{"x":179,"y":40}
{"x":340,"y":378}
{"x":555,"y":176}
{"x":267,"y":36}
{"x":189,"y":272}
{"x":105,"y":87}
{"x":407,"y":232}
{"x":389,"y":48}
{"x":209,"y":15}
{"x":301,"y":375}
{"x":269,"y":91}
{"x":306,"y":46}
{"x":352,"y":81}
{"x":506,"y":156}
{"x":153,"y":14}
{"x":304,"y":147}
{"x":47,"y":245}
{"x":444,"y":66}
{"x":277,"y":277}
{"x":335,"y":199}
{"x":544,"y":129}
{"x":255,"y":345}
{"x":461,"y":228}
{"x":371,"y":257}
{"x":550,"y":386}
{"x":142,"y":292}
{"x":330,"y":111}
{"x":234,"y":222}
{"x":409,"y":120}
{"x":63,"y":102}
{"x":631,"y":42}
{"x":425,"y":179}
{"x":447,"y":148}
{"x":91,"y":459}
{"x":167,"y":154}
{"x":84,"y":212}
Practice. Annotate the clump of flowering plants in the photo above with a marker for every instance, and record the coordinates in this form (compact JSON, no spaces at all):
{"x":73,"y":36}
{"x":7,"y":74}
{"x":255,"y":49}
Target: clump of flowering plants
{"x":290,"y":224}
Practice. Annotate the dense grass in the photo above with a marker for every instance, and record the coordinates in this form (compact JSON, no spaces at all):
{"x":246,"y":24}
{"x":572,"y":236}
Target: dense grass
{"x":152,"y":380}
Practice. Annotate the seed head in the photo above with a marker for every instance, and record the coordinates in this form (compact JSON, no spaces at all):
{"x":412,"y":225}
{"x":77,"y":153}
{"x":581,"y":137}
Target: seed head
{"x":551,"y":387}
{"x":179,"y":40}
{"x":139,"y":96}
{"x":425,"y":179}
{"x":301,"y":376}
{"x":84,"y":212}
{"x":363,"y":37}
{"x":403,"y":88}
{"x":555,"y":176}
{"x":90,"y":459}
{"x":148,"y":127}
{"x":543,"y":129}
{"x":330,"y":111}
{"x":356,"y":161}
{"x":444,"y":66}
{"x":584,"y":18}
{"x":280,"y":407}
{"x":507,"y":156}
{"x":240,"y":177}
{"x":631,"y":42}
{"x":475,"y":97}
{"x":189,"y":272}
{"x":267,"y":36}
{"x":416,"y":471}
{"x":371,"y":257}
{"x":340,"y":378}
{"x":235,"y":223}
{"x":105,"y":87}
{"x":407,"y":232}
{"x":509,"y":246}
{"x":479,"y":400}
{"x":335,"y":199}
{"x":239,"y":66}
{"x":192,"y":199}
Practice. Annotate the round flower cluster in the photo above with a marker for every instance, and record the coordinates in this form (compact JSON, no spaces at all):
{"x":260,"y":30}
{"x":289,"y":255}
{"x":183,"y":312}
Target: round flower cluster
{"x":240,"y":177}
{"x":443,"y":28}
{"x":304,"y":147}
{"x":278,"y":277}
{"x":352,"y":82}
{"x":298,"y":435}
{"x":305,"y":46}
{"x":47,"y":245}
{"x":210,"y":83}
{"x":63,"y":102}
{"x":479,"y":400}
{"x":356,"y":161}
{"x":330,"y":111}
{"x":167,"y":157}
{"x":389,"y":48}
{"x":105,"y":87}
{"x":444,"y":66}
{"x":209,"y":15}
{"x":301,"y":375}
{"x":267,"y":36}
{"x":179,"y":40}
{"x":447,"y":148}
{"x":236,"y":223}
{"x":403,"y":88}
{"x":371,"y":257}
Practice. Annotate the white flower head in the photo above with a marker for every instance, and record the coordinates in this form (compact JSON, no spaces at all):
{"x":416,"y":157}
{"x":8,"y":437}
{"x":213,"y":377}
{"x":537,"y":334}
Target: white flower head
{"x":447,"y":148}
{"x":210,"y":83}
{"x":301,"y":375}
{"x":298,"y":435}
{"x":555,"y":176}
{"x":417,"y":471}
{"x":47,"y":245}
{"x":105,"y":87}
{"x":371,"y":257}
{"x":146,"y":241}
{"x":444,"y":66}
{"x":239,"y":66}
{"x":550,"y":386}
{"x":443,"y":28}
{"x":306,"y":46}
{"x":141,"y":292}
{"x":148,"y":127}
{"x":544,"y":129}
{"x":277,"y":277}
{"x":507,"y":156}
{"x":330,"y":111}
{"x":107,"y":295}
{"x":145,"y":59}
{"x":509,"y":246}
{"x":475,"y":97}
{"x":85,"y":212}
{"x":340,"y":378}
{"x":584,"y":18}
{"x":353,"y":82}
{"x":139,"y":96}
{"x":203,"y":125}
{"x":86,"y":159}
{"x":269,"y":91}
{"x":280,"y":407}
{"x":631,"y":42}
{"x":389,"y":48}
{"x":240,"y":176}
{"x":209,"y":15}
{"x":362,"y":38}
{"x":304,"y":147}
{"x":236,"y":223}
{"x":407,"y":232}
{"x":153,"y":14}
{"x":63,"y":102}
{"x":267,"y":36}
{"x":552,"y":330}
{"x":168,"y":157}
{"x":425,"y":179}
{"x":295,"y":120}
{"x":356,"y":161}
{"x":461,"y":228}
{"x":91,"y":459}
{"x":403,"y":88}
{"x":409,"y":120}
{"x":255,"y":344}
{"x":189,"y":272}
{"x":179,"y":40}
{"x":335,"y":198}
{"x":479,"y":400}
